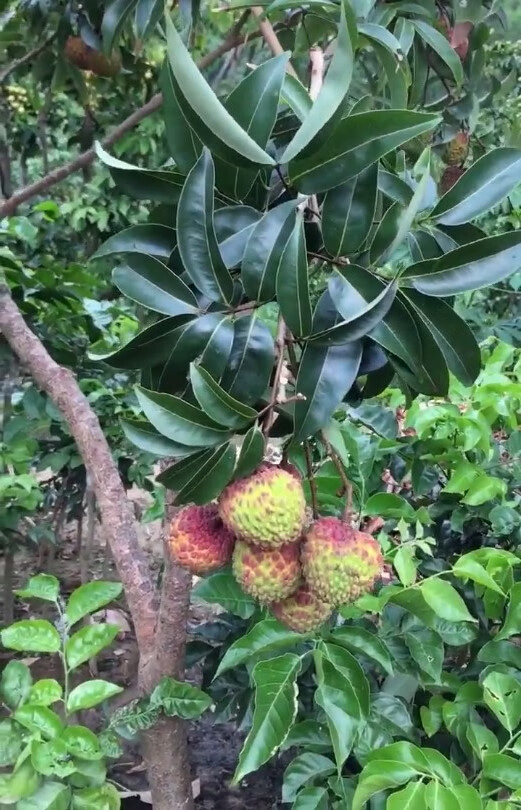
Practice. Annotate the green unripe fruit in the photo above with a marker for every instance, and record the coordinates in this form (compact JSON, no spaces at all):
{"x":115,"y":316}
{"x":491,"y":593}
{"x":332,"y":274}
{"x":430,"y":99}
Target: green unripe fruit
{"x":267,"y":575}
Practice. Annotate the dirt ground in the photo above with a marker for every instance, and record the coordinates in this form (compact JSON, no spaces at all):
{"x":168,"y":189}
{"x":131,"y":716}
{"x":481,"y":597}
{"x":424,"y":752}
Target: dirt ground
{"x":214,"y":748}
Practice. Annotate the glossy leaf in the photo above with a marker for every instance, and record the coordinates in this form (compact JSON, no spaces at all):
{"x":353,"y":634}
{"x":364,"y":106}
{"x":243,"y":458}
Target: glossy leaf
{"x":502,"y":694}
{"x":292,"y":282}
{"x":152,"y":284}
{"x":41,"y":586}
{"x":504,"y":769}
{"x":115,"y":15}
{"x":179,"y":420}
{"x":211,"y":479}
{"x":186,"y":470}
{"x":444,"y":599}
{"x":348,"y":212}
{"x":31,"y":635}
{"x":357,"y":142}
{"x":10,"y":742}
{"x":158,"y":185}
{"x":146,"y":438}
{"x":81,"y":742}
{"x":89,"y":598}
{"x":234,"y":225}
{"x":50,"y":796}
{"x":88,"y":642}
{"x":91,"y":693}
{"x":412,"y":797}
{"x":15,"y":684}
{"x":264,"y":637}
{"x":148,"y":14}
{"x":312,"y":798}
{"x":362,"y":642}
{"x":216,"y":402}
{"x":275,"y":711}
{"x":180,"y":699}
{"x":155,"y":240}
{"x":264,"y":250}
{"x":184,"y":145}
{"x":484,"y":184}
{"x":296,"y":96}
{"x":252,"y":453}
{"x":304,"y":769}
{"x":152,"y":346}
{"x":512,"y":624}
{"x":442,"y":47}
{"x":222,"y":589}
{"x":251,"y":360}
{"x":426,"y":648}
{"x":39,"y":720}
{"x":45,"y":692}
{"x":197,"y":240}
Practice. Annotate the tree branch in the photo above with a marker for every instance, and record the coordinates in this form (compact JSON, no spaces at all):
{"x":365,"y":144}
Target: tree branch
{"x":116,"y":511}
{"x":27,"y":57}
{"x":271,"y":38}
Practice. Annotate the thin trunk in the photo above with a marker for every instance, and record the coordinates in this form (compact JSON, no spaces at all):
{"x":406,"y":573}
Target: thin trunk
{"x":86,"y":548}
{"x":8,"y":582}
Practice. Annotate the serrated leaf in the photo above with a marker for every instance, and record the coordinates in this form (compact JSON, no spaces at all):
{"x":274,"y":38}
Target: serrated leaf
{"x":179,"y":420}
{"x":91,"y":693}
{"x":41,"y":586}
{"x":264,"y":250}
{"x":222,"y":589}
{"x":264,"y":637}
{"x":348,"y":213}
{"x":90,"y":597}
{"x":31,"y":635}
{"x":179,"y":699}
{"x":152,"y":284}
{"x":88,"y":642}
{"x":292,"y":282}
{"x":218,"y":403}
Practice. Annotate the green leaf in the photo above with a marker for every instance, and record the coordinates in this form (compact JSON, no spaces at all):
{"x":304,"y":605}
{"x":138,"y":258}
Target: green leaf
{"x":469,"y":568}
{"x":145,"y":437}
{"x":88,"y":642}
{"x":334,"y":88}
{"x":484,"y":488}
{"x":482,"y":740}
{"x":211,"y":479}
{"x":114,"y":18}
{"x":52,"y":758}
{"x":445,"y":601}
{"x":442,"y":47}
{"x":308,"y":734}
{"x":512,"y":625}
{"x":222,"y":589}
{"x":295,"y":95}
{"x":109,"y":744}
{"x":264,"y":637}
{"x":31,"y":635}
{"x":251,"y":360}
{"x":42,"y":586}
{"x":81,"y":742}
{"x":470,"y":267}
{"x":179,"y":420}
{"x":148,"y":14}
{"x":411,"y":797}
{"x":252,"y":453}
{"x":10,"y":743}
{"x":216,"y":402}
{"x":90,"y":694}
{"x":105,"y":797}
{"x":488,"y":181}
{"x":179,"y":699}
{"x":264,"y":250}
{"x":138,"y":715}
{"x":154,"y":240}
{"x":502,"y":694}
{"x":197,"y":239}
{"x":45,"y":692}
{"x":152,"y":284}
{"x":184,"y":145}
{"x":426,"y":648}
{"x":39,"y":720}
{"x":312,"y":798}
{"x":348,"y":213}
{"x":154,"y":345}
{"x":454,"y":338}
{"x":158,"y":185}
{"x":304,"y":769}
{"x":15,"y":684}
{"x":18,"y":785}
{"x":503,"y":769}
{"x":365,"y":643}
{"x":404,"y":562}
{"x":292,"y":282}
{"x":357,"y":142}
{"x":50,"y":796}
{"x":91,"y":597}
{"x":219,"y":131}
{"x":325,"y":375}
{"x":382,"y":775}
{"x":389,"y":505}
{"x":234,"y":224}
{"x":275,"y":711}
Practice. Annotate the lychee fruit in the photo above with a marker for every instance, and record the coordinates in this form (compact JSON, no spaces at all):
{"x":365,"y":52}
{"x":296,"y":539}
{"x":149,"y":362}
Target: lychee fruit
{"x":267,"y":575}
{"x":340,"y":564}
{"x":198,"y":539}
{"x":457,"y":149}
{"x":302,"y":611}
{"x":267,"y":509}
{"x":450,"y":177}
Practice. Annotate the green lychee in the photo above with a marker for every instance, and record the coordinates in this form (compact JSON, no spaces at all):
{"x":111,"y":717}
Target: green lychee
{"x":340,"y":564}
{"x":267,"y":509}
{"x":302,"y":611}
{"x":198,"y":539}
{"x":267,"y":575}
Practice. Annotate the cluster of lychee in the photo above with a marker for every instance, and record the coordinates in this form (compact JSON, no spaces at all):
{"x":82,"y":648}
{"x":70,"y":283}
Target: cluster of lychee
{"x":302,"y":570}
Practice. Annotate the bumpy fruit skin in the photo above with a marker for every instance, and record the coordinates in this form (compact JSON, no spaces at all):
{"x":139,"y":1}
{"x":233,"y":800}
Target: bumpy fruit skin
{"x":198,"y":539}
{"x":450,"y":177}
{"x":302,"y":611}
{"x":340,"y":564}
{"x":457,"y":150}
{"x":267,"y":509}
{"x":267,"y":575}
{"x":86,"y":58}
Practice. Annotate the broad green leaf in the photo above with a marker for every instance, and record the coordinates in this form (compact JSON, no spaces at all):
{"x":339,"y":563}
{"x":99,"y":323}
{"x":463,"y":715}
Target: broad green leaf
{"x":50,"y":796}
{"x":39,"y":720}
{"x":251,"y":360}
{"x":15,"y":684}
{"x":381,"y":775}
{"x":158,"y":185}
{"x":469,"y":568}
{"x":502,"y":694}
{"x":264,"y":637}
{"x":505,"y":651}
{"x":147,"y":438}
{"x":184,"y":145}
{"x":186,"y":470}
{"x":334,"y":88}
{"x":411,"y":797}
{"x":442,"y":47}
{"x":45,"y":692}
{"x":385,"y":233}
{"x":325,"y":375}
{"x":292,"y":282}
{"x":445,"y":601}
{"x":222,"y":589}
{"x":88,"y":642}
{"x":152,"y":284}
{"x":10,"y":742}
{"x":359,"y":316}
{"x":91,"y":693}
{"x":115,"y":15}
{"x":348,"y":213}
{"x":211,"y":478}
{"x":219,"y":131}
{"x":304,"y":769}
{"x":138,"y":715}
{"x":179,"y":420}
{"x":234,"y":225}
{"x":105,"y":797}
{"x":216,"y":402}
{"x":41,"y":586}
{"x":296,"y":96}
{"x":357,"y":142}
{"x":512,"y":625}
{"x":489,"y":180}
{"x":482,"y":740}
{"x":148,"y":14}
{"x":426,"y":648}
{"x":406,"y":218}
{"x":252,"y":453}
{"x":275,"y":711}
{"x":154,"y":240}
{"x":470,"y":267}
{"x":154,"y":345}
{"x":363,"y":642}
{"x":264,"y":250}
{"x":309,"y":734}
{"x":179,"y":699}
{"x":197,"y":239}
{"x":455,"y":339}
{"x":91,"y":597}
{"x":52,"y":758}
{"x":387,"y":504}
{"x":405,"y":565}
{"x":311,"y":798}
{"x":81,"y":742}
{"x":20,"y":784}
{"x":31,"y":635}
{"x":503,"y":769}
{"x":484,"y":488}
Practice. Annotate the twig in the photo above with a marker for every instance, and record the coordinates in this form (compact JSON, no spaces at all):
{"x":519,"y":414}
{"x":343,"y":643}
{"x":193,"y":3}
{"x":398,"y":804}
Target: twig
{"x":272,"y":405}
{"x":346,"y":483}
{"x":316,"y":57}
{"x":280,"y":344}
{"x":16,"y":63}
{"x":270,"y":37}
{"x":312,"y":482}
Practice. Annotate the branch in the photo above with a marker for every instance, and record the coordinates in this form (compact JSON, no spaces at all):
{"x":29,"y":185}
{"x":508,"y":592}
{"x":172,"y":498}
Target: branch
{"x":115,"y":509}
{"x":280,"y":343}
{"x":271,"y":38}
{"x":312,"y":481}
{"x":16,"y":63}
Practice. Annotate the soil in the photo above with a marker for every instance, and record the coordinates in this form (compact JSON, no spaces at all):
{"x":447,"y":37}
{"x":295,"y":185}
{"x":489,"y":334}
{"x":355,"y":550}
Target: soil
{"x":214,"y":748}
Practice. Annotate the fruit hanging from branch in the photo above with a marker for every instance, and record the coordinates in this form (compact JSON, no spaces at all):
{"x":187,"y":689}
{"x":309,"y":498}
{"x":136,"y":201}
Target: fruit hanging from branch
{"x":198,"y":539}
{"x":267,"y":575}
{"x":86,"y":58}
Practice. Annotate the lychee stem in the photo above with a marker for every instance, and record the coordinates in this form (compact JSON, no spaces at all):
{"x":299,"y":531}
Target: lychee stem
{"x":312,"y":482}
{"x":346,"y":483}
{"x":277,"y":391}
